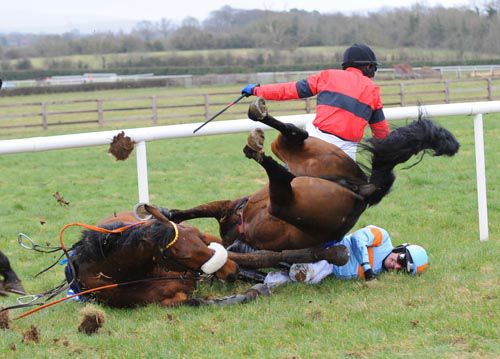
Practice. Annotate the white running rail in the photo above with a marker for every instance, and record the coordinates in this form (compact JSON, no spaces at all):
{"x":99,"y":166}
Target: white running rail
{"x":142,"y":135}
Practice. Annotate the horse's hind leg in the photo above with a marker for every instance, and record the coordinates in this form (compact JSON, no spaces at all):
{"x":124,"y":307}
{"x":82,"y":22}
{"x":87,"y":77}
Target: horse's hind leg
{"x":280,"y":189}
{"x":258,"y":112}
{"x":259,"y":289}
{"x":216,"y":209}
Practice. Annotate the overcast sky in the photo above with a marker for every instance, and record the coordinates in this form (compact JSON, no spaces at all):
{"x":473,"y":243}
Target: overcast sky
{"x":56,"y":16}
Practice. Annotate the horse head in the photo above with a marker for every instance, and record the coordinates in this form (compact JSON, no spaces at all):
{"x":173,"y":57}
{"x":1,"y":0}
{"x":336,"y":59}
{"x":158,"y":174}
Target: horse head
{"x":188,"y":249}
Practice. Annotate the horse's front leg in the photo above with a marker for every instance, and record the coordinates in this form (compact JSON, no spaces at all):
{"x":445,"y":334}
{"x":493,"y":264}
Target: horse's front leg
{"x":216,"y":209}
{"x":280,"y":179}
{"x":291,"y":133}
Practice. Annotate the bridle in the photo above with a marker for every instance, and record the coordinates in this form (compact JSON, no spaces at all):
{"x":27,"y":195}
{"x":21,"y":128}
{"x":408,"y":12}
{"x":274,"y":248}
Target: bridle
{"x":165,"y":254}
{"x":212,"y":265}
{"x":216,"y":262}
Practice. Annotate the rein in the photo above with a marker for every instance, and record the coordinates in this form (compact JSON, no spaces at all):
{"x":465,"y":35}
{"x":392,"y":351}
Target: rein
{"x":53,"y":292}
{"x":93,"y":228}
{"x":115,"y":231}
{"x":108,"y":231}
{"x":104,"y":287}
{"x":108,"y":286}
{"x":92,"y":290}
{"x":96,"y":229}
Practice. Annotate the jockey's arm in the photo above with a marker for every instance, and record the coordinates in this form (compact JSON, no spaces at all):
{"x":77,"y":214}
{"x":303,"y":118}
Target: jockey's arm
{"x":369,"y":236}
{"x":380,"y":129}
{"x":289,"y":90}
{"x":378,"y":124}
{"x":360,"y":240}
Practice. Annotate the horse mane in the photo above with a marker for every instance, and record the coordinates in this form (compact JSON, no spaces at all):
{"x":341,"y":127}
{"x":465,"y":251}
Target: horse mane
{"x":94,"y":246}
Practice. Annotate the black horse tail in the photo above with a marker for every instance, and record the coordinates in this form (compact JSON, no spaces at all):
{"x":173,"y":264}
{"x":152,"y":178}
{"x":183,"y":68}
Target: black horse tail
{"x":421,"y":135}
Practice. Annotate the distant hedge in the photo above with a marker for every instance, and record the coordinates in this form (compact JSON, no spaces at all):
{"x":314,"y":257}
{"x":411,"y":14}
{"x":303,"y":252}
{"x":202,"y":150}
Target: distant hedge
{"x":84,"y":87}
{"x":159,"y":71}
{"x":204,"y":70}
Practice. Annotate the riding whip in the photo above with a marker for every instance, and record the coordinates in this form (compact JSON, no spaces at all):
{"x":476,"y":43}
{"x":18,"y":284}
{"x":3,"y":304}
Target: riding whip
{"x":221,"y":111}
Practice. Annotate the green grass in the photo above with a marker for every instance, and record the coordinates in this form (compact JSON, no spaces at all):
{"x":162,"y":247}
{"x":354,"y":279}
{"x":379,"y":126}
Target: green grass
{"x":450,"y":311}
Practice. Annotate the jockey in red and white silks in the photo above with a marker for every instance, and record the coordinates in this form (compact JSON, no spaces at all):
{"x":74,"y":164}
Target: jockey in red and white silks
{"x":347,"y":101}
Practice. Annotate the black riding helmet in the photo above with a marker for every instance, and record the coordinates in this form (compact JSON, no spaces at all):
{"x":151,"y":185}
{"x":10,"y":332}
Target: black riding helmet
{"x":360,"y":56}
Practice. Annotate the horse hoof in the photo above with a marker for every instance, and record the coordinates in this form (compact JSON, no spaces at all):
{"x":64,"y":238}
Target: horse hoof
{"x":172,"y":214}
{"x":249,"y":153}
{"x":252,"y":154}
{"x":166,"y":212}
{"x":255,"y":140}
{"x":194,"y":302}
{"x":257,"y":110}
{"x":255,"y":145}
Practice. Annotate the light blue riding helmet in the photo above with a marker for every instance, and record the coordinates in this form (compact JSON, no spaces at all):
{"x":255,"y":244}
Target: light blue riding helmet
{"x":412,"y":257}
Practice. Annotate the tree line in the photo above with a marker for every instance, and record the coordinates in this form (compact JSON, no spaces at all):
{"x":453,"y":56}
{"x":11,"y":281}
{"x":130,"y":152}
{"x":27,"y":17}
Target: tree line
{"x":462,"y":29}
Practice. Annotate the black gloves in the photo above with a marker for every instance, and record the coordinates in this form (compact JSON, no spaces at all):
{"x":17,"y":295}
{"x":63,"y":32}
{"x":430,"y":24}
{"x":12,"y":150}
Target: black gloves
{"x":369,"y":275}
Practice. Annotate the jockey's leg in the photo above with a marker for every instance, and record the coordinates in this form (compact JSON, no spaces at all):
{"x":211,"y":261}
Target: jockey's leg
{"x":258,"y":112}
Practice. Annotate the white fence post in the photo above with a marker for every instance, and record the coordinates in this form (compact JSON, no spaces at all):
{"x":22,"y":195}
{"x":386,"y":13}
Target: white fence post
{"x":481,"y":177}
{"x":142,"y":172}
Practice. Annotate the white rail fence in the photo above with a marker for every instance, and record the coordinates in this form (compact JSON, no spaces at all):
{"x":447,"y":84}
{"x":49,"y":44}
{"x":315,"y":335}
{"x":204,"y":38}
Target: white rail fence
{"x":143,"y":135}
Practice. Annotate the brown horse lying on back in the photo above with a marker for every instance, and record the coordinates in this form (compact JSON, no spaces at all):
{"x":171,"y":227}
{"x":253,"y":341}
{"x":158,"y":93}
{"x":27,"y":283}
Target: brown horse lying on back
{"x":154,"y":261}
{"x":322,"y":193}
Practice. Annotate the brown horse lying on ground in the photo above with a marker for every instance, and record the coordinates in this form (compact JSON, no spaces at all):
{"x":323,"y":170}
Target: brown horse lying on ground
{"x":11,"y":282}
{"x":322,"y":193}
{"x":155,"y":261}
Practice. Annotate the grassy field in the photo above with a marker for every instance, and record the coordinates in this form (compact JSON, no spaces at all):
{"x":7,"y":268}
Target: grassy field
{"x":451,"y":311}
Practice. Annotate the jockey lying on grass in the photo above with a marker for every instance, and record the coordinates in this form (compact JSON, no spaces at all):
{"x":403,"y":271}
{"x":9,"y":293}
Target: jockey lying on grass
{"x":371,"y":252}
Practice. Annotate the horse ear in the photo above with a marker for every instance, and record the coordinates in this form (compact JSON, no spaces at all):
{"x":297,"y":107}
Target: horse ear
{"x":156,"y":213}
